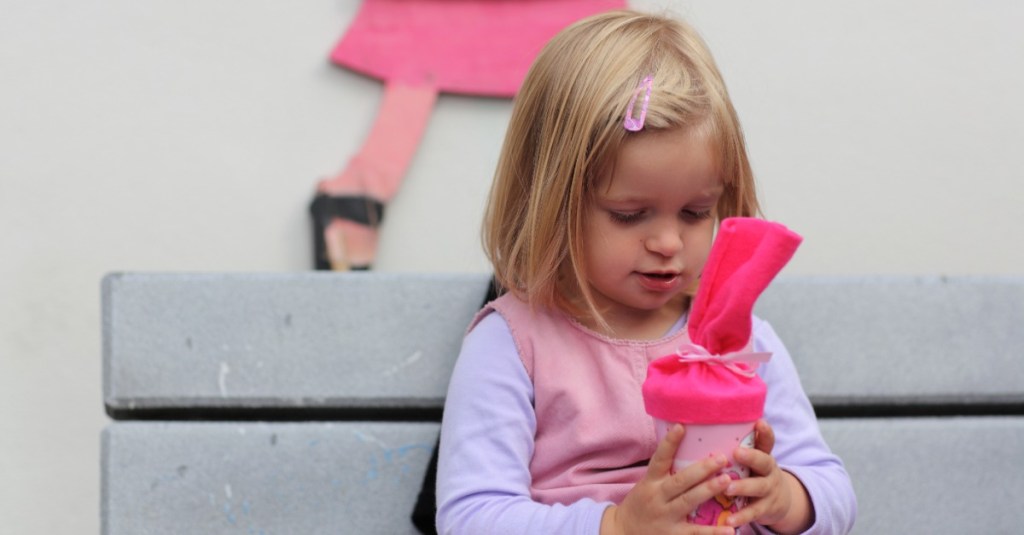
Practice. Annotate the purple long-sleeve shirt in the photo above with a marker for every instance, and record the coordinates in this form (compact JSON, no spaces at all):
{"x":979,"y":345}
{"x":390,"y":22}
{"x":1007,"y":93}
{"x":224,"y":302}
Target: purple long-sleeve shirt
{"x":483,"y":483}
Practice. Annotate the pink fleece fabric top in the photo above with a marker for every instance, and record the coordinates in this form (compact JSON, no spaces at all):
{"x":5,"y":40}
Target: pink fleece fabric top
{"x":701,"y":393}
{"x":704,"y":385}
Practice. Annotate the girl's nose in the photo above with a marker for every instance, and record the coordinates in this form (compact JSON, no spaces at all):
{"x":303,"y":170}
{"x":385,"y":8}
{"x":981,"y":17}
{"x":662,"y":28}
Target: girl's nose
{"x":666,"y":241}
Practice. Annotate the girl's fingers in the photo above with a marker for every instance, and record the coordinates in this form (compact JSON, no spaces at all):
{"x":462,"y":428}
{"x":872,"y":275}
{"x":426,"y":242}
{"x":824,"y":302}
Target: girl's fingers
{"x":744,"y":516}
{"x":713,"y":530}
{"x":764,"y":436}
{"x":704,"y":490}
{"x":758,"y":461}
{"x":690,"y":478}
{"x":751,"y":487}
{"x":661,"y":462}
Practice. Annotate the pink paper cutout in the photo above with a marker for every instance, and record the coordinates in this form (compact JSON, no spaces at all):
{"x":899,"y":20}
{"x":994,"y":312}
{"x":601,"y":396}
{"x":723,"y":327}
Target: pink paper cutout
{"x":377,"y":169}
{"x":476,"y":47}
{"x":419,"y":48}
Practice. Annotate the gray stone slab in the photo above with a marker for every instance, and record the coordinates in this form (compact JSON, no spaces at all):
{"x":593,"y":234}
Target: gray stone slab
{"x":902,"y":339}
{"x":262,"y":478}
{"x":933,"y":475}
{"x":919,"y":475}
{"x":310,"y":339}
{"x":388,"y":340}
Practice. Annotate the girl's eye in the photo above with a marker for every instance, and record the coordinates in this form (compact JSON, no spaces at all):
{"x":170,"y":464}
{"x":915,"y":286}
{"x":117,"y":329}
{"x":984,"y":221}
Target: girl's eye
{"x":626,"y":218}
{"x":696,"y":215}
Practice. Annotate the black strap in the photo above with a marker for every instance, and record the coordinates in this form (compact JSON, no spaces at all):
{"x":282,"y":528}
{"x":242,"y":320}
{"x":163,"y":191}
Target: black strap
{"x":425,"y":510}
{"x":360,"y":209}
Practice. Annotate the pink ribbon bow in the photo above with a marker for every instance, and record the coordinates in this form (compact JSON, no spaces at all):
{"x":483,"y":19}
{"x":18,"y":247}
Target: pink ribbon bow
{"x":736,"y":361}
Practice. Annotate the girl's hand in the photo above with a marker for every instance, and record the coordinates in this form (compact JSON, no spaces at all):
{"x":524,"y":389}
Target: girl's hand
{"x":777,"y":499}
{"x":659,"y":503}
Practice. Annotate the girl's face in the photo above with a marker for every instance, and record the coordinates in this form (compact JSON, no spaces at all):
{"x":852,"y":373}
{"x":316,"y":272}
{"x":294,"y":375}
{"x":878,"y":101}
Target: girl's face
{"x":648,"y":230}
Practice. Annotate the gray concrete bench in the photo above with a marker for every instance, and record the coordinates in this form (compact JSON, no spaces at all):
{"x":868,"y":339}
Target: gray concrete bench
{"x":309,"y":403}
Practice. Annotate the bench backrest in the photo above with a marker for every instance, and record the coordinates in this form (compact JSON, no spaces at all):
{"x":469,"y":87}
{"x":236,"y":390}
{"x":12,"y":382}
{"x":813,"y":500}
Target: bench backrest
{"x":309,"y":402}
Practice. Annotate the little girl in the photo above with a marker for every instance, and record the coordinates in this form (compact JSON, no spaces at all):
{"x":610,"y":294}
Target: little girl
{"x":622,"y":155}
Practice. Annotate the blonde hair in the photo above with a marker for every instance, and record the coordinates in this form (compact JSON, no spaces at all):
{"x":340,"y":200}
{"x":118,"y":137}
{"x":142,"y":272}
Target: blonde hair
{"x":566,"y":129}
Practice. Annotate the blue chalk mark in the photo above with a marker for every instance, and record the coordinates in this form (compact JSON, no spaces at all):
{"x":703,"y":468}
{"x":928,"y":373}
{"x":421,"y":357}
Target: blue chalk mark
{"x":391,"y":456}
{"x":372,"y":472}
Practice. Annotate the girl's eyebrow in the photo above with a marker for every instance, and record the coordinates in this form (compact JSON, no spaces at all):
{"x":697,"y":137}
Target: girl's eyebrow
{"x":625,"y":199}
{"x":622,"y":198}
{"x":632,"y":200}
{"x":713,"y":193}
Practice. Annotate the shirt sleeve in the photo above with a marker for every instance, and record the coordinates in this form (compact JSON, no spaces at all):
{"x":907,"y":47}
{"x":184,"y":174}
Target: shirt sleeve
{"x":799,"y":447}
{"x":483,"y":477}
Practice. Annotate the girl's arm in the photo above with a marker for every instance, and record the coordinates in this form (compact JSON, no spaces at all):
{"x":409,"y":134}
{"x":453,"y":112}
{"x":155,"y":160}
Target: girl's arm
{"x":799,"y":447}
{"x":483,"y":478}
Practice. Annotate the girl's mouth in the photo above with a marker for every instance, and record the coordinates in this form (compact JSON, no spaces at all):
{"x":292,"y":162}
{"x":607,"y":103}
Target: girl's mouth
{"x":659,"y":282}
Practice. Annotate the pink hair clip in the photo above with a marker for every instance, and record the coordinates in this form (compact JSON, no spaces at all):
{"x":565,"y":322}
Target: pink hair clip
{"x":631,"y":123}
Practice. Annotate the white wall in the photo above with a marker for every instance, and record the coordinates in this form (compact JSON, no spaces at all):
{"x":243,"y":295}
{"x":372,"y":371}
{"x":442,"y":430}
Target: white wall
{"x":185,"y":135}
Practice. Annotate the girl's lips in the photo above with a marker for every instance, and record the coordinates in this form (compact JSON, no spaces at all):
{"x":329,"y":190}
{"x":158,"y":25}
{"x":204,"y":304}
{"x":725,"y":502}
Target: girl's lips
{"x":659,"y":282}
